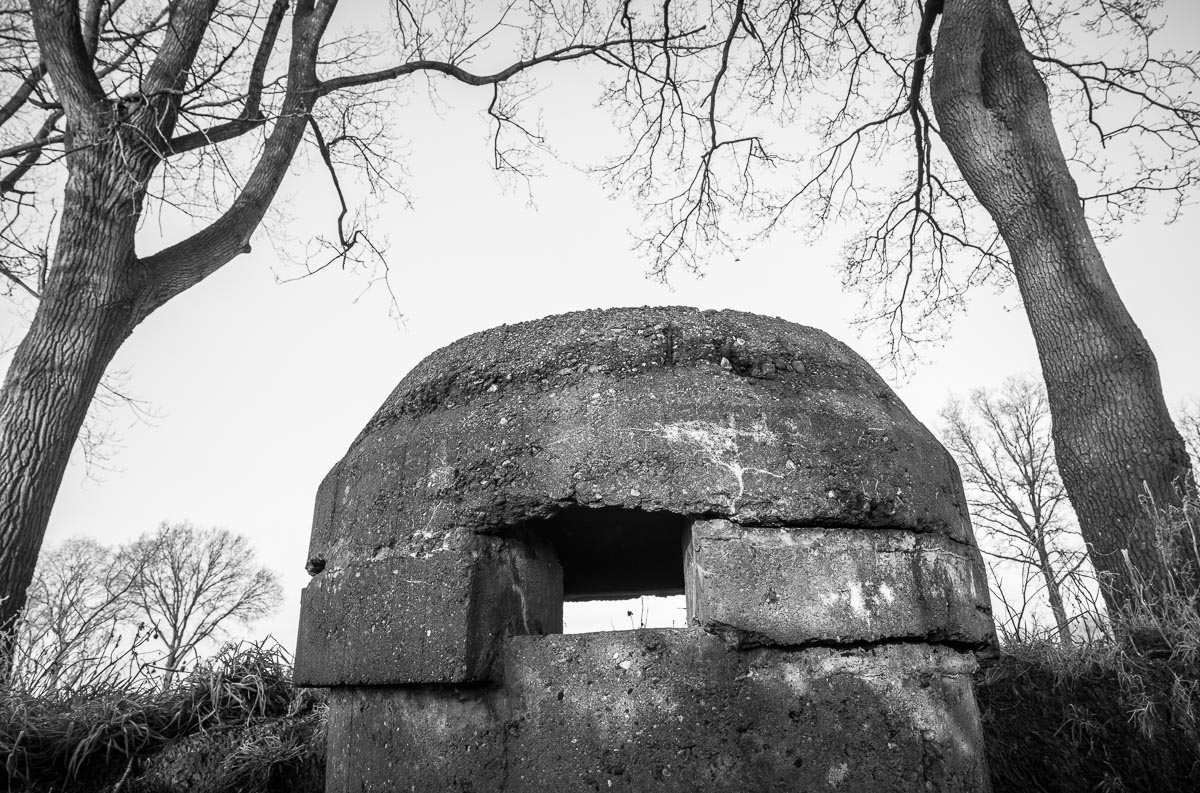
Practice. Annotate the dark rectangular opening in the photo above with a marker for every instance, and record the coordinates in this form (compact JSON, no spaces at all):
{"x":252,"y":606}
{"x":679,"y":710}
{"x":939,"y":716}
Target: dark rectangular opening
{"x":613,"y":553}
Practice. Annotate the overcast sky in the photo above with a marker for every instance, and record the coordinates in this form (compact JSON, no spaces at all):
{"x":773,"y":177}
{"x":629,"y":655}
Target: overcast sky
{"x":259,"y":387}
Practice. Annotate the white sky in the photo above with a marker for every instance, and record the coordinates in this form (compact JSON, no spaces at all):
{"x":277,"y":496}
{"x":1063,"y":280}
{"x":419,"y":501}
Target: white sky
{"x":260,"y":387}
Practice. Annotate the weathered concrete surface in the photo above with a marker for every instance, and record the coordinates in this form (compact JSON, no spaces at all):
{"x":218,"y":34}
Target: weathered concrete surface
{"x":442,"y":618}
{"x":700,"y":413}
{"x":672,"y":710}
{"x":422,"y":739}
{"x":780,"y":586}
{"x":838,"y":583}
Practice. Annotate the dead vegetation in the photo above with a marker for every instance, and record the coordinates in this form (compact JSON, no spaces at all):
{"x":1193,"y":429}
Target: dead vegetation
{"x":1120,"y":712}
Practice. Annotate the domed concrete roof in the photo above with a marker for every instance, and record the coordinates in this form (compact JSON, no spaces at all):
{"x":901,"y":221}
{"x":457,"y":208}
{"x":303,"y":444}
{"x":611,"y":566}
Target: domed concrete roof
{"x":717,"y":414}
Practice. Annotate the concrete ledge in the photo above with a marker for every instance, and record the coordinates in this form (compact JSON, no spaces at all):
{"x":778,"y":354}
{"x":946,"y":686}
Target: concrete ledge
{"x":769,"y":586}
{"x":440,"y":619}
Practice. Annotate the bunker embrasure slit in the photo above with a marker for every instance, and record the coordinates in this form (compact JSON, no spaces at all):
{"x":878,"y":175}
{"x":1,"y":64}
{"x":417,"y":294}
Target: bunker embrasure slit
{"x":611,"y":553}
{"x":622,"y":568}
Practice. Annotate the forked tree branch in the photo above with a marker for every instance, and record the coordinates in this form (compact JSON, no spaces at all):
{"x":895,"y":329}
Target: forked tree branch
{"x":252,"y":110}
{"x":57,"y":25}
{"x":188,"y":21}
{"x":251,"y":117}
{"x":188,"y":262}
{"x":184,"y":264}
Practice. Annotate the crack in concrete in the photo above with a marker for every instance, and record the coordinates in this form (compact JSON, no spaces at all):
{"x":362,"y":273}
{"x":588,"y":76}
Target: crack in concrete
{"x":718,"y":444}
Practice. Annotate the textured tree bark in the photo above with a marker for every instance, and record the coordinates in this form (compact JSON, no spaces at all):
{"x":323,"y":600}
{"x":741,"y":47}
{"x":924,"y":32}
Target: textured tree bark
{"x":1114,"y":439}
{"x":84,"y":316}
{"x":98,"y":290}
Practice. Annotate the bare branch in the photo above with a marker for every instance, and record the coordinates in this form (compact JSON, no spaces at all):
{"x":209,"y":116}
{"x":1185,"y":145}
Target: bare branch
{"x":251,"y":117}
{"x":10,"y":275}
{"x":32,"y":155}
{"x":22,"y":94}
{"x":561,"y":55}
{"x":345,"y":243}
{"x":190,"y":261}
{"x":1005,"y":453}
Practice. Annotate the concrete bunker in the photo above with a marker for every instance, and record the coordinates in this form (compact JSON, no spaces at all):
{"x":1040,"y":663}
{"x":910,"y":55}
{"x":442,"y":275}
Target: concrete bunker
{"x":819,"y":532}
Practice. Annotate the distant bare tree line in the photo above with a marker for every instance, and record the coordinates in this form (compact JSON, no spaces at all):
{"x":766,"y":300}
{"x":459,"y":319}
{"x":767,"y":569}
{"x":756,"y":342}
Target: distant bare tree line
{"x":96,"y":613}
{"x":1042,"y":582}
{"x":1018,"y":124}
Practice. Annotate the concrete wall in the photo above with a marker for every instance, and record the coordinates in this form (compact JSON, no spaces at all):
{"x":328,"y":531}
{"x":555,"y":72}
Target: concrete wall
{"x":671,"y":710}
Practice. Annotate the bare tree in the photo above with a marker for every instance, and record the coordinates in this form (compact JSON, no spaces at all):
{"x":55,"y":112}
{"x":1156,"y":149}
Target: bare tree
{"x":1003,"y":446}
{"x":142,"y":103}
{"x":72,"y":621}
{"x":191,"y":583}
{"x":197,"y":108}
{"x":1014,"y":598}
{"x":989,"y":195}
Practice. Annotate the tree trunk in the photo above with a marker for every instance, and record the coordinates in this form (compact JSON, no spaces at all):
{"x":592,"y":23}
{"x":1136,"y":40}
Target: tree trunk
{"x":1113,"y":438}
{"x":98,"y":290}
{"x":1053,"y":591}
{"x":84,"y":315}
{"x":170,"y":663}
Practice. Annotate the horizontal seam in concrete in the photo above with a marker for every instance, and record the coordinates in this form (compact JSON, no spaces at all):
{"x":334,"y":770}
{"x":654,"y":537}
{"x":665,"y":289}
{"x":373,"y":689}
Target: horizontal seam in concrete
{"x":841,"y":526}
{"x":470,"y":688}
{"x":850,"y":644}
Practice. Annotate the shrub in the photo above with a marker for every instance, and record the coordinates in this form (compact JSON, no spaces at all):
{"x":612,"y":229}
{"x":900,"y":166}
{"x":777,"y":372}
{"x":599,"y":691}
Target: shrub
{"x":99,"y":733}
{"x":1120,"y":714}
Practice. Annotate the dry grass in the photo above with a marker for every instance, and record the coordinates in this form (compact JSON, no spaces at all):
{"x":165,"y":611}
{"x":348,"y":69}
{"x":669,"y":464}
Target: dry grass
{"x":1118,"y":714}
{"x":100,"y":731}
{"x":1115,"y":714}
